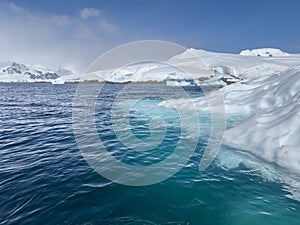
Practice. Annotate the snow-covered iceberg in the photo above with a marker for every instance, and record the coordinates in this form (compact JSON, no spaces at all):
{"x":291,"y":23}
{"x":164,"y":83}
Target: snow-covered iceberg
{"x":272,"y":106}
{"x":273,"y":130}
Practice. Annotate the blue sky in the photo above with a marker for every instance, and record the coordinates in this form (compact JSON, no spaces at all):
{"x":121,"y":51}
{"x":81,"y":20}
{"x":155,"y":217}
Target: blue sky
{"x":74,"y":32}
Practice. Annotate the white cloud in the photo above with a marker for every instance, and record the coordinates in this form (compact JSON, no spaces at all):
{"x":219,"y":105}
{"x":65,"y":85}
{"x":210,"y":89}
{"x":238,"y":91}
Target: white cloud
{"x":53,"y":39}
{"x":104,"y":24}
{"x":89,"y":12}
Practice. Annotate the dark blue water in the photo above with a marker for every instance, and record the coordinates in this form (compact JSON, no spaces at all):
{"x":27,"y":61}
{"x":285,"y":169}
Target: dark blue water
{"x":45,"y":180}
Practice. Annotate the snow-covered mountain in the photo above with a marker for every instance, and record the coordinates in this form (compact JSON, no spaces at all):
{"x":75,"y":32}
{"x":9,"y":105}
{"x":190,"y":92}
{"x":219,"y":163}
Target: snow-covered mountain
{"x":205,"y":68}
{"x":16,"y":72}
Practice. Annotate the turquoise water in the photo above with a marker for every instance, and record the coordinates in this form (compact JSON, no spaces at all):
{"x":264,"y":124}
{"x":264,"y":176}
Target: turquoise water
{"x":44,"y":179}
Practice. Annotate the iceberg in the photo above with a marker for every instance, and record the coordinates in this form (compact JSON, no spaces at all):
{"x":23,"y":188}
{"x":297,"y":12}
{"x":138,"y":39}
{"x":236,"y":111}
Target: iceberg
{"x":267,"y":140}
{"x":273,"y":130}
{"x":271,"y":104}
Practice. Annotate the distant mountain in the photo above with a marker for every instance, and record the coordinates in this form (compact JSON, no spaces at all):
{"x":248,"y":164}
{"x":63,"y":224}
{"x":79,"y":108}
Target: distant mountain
{"x":17,"y":72}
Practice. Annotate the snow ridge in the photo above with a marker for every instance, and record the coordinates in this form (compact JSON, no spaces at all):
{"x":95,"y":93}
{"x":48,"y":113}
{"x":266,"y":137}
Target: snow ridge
{"x":264,"y":52}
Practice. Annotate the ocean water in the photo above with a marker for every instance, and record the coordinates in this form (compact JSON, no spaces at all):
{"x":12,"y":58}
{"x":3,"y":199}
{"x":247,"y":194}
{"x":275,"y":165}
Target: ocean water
{"x":44,"y":179}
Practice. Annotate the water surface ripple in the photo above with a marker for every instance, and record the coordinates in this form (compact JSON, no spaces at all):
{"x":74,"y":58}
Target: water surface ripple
{"x":45,"y":180}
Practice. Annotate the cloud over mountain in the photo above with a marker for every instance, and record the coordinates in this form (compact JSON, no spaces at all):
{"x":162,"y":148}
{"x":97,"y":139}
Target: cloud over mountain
{"x":57,"y":39}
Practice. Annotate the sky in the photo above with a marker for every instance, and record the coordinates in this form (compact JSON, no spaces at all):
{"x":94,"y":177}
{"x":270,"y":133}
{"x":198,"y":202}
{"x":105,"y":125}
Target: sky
{"x":73,"y":33}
